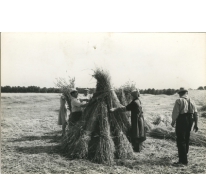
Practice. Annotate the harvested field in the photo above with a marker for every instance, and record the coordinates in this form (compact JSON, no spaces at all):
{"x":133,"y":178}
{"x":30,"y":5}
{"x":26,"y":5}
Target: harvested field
{"x":31,"y":138}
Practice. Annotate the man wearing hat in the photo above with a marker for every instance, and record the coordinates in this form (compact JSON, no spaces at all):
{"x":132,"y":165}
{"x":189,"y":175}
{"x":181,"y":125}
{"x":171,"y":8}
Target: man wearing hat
{"x":184,"y":115}
{"x":138,"y":134}
{"x":76,"y":107}
{"x":86,"y":97}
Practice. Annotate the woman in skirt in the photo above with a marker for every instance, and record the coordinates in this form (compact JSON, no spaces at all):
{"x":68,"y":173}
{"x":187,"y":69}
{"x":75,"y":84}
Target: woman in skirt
{"x":138,"y":134}
{"x":63,"y":114}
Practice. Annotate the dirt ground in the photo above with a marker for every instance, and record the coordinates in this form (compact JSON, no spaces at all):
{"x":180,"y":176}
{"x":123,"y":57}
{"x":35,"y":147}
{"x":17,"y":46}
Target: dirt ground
{"x":31,"y":138}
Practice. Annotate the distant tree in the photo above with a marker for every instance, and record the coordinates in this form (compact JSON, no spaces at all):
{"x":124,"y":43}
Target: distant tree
{"x":141,"y":91}
{"x":43,"y":90}
{"x":164,"y":91}
{"x":145,"y":91}
{"x":149,"y":91}
{"x":6,"y":89}
{"x":205,"y":87}
{"x":168,"y":92}
{"x":152,"y":91}
{"x":173,"y":91}
{"x":200,"y":88}
{"x":157,"y":91}
{"x":24,"y":89}
{"x":50,"y":90}
{"x":57,"y":90}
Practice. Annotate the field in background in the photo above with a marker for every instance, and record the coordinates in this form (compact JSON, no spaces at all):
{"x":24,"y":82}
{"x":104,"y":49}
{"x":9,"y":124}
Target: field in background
{"x":31,"y":138}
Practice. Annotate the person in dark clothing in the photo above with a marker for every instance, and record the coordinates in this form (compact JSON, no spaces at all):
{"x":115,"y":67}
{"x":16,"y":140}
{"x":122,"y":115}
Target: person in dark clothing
{"x":138,"y":134}
{"x":184,"y":115}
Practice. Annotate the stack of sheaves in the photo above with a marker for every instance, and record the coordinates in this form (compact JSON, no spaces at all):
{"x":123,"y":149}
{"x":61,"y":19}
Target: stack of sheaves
{"x":65,"y":88}
{"x":100,"y":136}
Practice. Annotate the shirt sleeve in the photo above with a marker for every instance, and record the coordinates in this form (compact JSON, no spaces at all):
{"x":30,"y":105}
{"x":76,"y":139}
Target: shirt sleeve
{"x":176,"y":111}
{"x":129,"y":106}
{"x":66,"y":105}
{"x":194,"y":106}
{"x":76,"y":103}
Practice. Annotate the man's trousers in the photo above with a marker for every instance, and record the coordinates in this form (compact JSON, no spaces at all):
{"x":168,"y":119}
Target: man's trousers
{"x":183,"y":128}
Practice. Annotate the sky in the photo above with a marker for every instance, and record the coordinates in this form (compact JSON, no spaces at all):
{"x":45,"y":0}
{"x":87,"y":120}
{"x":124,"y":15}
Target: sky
{"x":150,"y":60}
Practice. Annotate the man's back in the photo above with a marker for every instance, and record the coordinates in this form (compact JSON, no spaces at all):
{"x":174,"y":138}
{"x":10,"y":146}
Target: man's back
{"x":182,"y":105}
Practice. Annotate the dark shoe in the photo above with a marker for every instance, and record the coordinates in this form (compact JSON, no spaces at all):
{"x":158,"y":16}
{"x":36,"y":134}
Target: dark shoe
{"x":175,"y":163}
{"x":179,"y":164}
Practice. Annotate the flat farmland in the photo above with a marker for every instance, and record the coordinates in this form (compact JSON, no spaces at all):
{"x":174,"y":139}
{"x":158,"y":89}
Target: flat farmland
{"x":31,"y":139}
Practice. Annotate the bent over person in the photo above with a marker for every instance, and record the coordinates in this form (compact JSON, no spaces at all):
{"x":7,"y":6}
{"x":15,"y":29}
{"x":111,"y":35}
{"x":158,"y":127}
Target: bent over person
{"x":184,"y":115}
{"x":76,"y":108}
{"x":138,"y":134}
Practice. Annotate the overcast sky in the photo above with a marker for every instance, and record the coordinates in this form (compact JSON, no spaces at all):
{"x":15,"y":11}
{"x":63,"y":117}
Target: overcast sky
{"x":151,"y":60}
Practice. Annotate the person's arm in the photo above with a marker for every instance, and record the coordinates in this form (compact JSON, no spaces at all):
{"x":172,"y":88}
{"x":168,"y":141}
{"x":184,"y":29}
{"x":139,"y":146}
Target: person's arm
{"x":66,"y":105}
{"x":175,"y":113}
{"x":195,"y":128}
{"x":122,"y":109}
{"x":78,"y":104}
{"x":196,"y":121}
{"x":82,"y":100}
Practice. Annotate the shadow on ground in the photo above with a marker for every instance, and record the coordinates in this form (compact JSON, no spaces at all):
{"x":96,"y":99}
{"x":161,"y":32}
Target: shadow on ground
{"x":54,"y":137}
{"x":55,"y":149}
{"x":51,"y":137}
{"x":134,"y":164}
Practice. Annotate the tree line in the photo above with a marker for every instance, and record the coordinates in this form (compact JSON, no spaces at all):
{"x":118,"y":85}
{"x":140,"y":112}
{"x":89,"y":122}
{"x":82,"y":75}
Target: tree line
{"x":158,"y":91}
{"x":37,"y":89}
{"x":202,"y":88}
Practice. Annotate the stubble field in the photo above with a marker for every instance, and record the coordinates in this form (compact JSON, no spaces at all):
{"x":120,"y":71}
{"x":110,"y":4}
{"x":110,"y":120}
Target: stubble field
{"x":31,"y":139}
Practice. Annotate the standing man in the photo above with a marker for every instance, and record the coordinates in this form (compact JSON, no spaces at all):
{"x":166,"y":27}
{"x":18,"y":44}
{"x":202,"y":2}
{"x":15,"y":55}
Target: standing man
{"x":86,"y":97}
{"x":76,"y":107}
{"x":184,"y":114}
{"x":137,"y":120}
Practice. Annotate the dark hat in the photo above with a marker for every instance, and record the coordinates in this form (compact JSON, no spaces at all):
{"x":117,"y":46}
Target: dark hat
{"x":182,"y":90}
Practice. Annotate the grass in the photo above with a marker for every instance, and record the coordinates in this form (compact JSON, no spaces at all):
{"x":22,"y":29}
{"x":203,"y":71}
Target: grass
{"x":30,"y":139}
{"x":203,"y":108}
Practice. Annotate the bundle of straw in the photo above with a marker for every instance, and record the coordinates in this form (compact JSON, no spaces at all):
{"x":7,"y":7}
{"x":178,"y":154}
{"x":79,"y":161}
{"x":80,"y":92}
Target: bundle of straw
{"x":121,"y":96}
{"x":148,"y":126}
{"x":104,"y":151}
{"x":102,"y":134}
{"x":124,"y":148}
{"x":197,"y":139}
{"x":74,"y":142}
{"x":65,"y":88}
{"x":128,"y":87}
{"x":160,"y":133}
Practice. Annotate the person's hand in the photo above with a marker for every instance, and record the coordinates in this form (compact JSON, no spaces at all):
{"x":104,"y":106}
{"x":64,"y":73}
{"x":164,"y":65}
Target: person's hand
{"x":195,"y":128}
{"x":112,"y":109}
{"x":173,"y":124}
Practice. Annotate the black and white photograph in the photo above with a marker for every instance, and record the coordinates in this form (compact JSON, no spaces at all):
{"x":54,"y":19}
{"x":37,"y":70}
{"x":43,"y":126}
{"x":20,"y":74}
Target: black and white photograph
{"x":104,"y":102}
